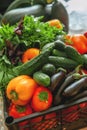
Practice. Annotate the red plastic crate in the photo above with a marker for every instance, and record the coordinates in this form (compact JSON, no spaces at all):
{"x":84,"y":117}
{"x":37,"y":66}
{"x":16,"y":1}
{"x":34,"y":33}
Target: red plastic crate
{"x":70,"y":116}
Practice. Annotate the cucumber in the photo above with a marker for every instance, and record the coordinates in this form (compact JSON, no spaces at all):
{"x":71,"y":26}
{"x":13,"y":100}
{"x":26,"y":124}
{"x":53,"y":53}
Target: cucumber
{"x":48,"y":46}
{"x":15,"y":15}
{"x":32,"y":65}
{"x":73,"y":54}
{"x":41,"y":78}
{"x":84,"y":57}
{"x":63,"y":62}
{"x":60,"y":45}
{"x":59,"y":53}
{"x":49,"y":69}
{"x":18,"y":3}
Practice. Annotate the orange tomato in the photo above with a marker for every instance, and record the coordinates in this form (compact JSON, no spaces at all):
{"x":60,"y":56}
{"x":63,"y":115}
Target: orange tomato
{"x":29,"y":54}
{"x":56,"y":23}
{"x":20,"y":89}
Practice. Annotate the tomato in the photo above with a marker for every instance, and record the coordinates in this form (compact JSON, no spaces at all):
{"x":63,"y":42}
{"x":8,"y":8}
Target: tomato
{"x":29,"y":54}
{"x":17,"y":111}
{"x":20,"y":89}
{"x":78,"y":41}
{"x":42,"y":99}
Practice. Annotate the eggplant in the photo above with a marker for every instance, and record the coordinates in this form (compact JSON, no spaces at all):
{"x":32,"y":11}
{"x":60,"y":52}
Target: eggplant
{"x":68,"y":80}
{"x":56,"y":80}
{"x":74,"y":88}
{"x":59,"y":12}
{"x":80,"y":95}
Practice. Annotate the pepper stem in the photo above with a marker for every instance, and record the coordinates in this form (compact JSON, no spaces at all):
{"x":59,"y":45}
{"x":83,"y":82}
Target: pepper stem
{"x":14,"y":95}
{"x":43,"y":96}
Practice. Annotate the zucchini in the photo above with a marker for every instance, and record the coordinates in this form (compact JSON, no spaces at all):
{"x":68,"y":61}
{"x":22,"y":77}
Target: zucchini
{"x":41,"y":78}
{"x":63,"y":62}
{"x":18,"y":3}
{"x":32,"y":65}
{"x":15,"y":15}
{"x":73,"y":54}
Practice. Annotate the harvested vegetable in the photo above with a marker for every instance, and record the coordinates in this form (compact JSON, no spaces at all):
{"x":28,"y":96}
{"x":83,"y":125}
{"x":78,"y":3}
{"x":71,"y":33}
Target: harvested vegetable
{"x":20,"y":89}
{"x":15,"y":39}
{"x":56,"y":23}
{"x":17,"y":111}
{"x":78,"y":41}
{"x":42,"y":99}
{"x":29,"y":54}
{"x":75,"y":87}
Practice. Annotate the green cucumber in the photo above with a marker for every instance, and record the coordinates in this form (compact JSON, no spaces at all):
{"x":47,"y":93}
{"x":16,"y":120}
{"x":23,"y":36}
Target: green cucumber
{"x":48,"y":46}
{"x":32,"y":65}
{"x":60,"y":45}
{"x":59,"y":53}
{"x":63,"y":62}
{"x":49,"y":69}
{"x":84,"y":57}
{"x":73,"y":54}
{"x":41,"y":78}
{"x":15,"y":15}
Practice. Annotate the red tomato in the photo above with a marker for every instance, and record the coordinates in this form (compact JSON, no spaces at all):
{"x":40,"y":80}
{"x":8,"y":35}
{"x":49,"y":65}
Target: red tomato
{"x":79,"y":42}
{"x":42,"y":99}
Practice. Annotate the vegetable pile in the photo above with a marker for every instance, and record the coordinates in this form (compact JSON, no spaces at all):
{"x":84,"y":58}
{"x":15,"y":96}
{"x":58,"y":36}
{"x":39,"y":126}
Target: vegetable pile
{"x":40,"y":66}
{"x":14,"y":40}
